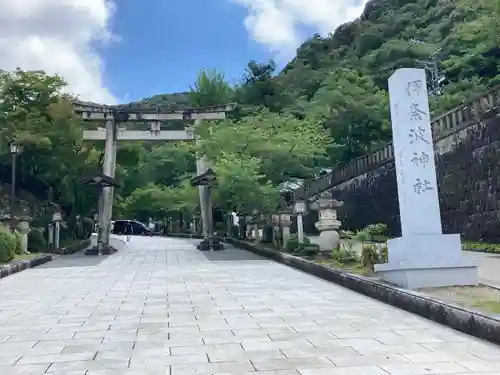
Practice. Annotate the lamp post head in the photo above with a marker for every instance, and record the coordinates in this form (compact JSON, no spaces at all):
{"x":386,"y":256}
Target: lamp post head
{"x":14,"y":147}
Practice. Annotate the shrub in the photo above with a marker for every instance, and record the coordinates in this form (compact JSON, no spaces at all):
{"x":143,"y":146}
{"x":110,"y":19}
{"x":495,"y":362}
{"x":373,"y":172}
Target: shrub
{"x":372,"y":254}
{"x":307,"y":250}
{"x":384,"y":255}
{"x":346,"y":234}
{"x":377,"y":229}
{"x":369,"y":255}
{"x":292,"y":244}
{"x":36,"y":240}
{"x":7,"y":245}
{"x":344,"y":255}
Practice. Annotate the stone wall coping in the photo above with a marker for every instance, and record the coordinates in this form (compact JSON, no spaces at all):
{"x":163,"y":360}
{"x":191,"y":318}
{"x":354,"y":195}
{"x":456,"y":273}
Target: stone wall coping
{"x":21,"y":265}
{"x":459,"y":318}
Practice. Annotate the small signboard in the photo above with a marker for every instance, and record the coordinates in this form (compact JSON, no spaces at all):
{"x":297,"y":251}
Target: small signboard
{"x":299,"y":207}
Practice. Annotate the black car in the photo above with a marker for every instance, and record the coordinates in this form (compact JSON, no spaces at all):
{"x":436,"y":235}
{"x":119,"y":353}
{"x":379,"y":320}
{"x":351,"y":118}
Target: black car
{"x":130,"y":227}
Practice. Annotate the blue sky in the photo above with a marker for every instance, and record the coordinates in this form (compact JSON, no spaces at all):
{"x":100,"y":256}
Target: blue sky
{"x":111,"y":51}
{"x":164,"y":45}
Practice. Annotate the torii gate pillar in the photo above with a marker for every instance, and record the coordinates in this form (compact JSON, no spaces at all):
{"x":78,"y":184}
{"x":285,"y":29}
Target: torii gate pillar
{"x":109,"y":169}
{"x":205,"y":206}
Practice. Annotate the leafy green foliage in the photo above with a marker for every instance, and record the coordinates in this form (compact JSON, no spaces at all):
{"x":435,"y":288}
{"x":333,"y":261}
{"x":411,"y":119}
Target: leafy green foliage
{"x":36,"y":240}
{"x":19,"y":249}
{"x":7,"y":245}
{"x":301,"y":249}
{"x":344,"y":255}
{"x":158,"y":201}
{"x":209,"y":89}
{"x":240,"y":186}
{"x":284,"y":145}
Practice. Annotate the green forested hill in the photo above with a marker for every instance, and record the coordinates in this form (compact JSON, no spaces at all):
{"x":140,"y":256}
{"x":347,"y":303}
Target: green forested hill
{"x":380,"y":41}
{"x":175,"y":101}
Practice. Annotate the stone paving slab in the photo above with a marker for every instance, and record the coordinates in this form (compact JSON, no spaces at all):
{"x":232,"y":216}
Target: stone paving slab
{"x":162,"y":307}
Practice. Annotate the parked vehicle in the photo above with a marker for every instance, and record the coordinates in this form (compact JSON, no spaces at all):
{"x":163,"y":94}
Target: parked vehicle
{"x":129,"y":227}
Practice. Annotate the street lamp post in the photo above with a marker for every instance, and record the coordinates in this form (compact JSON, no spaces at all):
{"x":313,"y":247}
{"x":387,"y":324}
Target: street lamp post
{"x":15,"y":149}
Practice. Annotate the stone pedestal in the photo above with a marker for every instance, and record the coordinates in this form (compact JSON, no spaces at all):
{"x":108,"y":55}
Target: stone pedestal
{"x":285,"y":223}
{"x":427,"y":260}
{"x":277,"y":240}
{"x":328,"y":224}
{"x":23,"y":227}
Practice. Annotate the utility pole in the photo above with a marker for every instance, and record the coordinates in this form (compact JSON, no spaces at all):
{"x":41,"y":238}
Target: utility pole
{"x":112,"y":134}
{"x":431,"y":66}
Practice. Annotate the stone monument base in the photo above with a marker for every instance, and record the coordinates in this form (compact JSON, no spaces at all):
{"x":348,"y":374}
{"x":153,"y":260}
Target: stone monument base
{"x":426,"y":261}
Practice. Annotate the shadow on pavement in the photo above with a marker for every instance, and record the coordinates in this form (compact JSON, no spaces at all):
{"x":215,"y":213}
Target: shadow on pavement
{"x":231,"y":254}
{"x":78,"y":259}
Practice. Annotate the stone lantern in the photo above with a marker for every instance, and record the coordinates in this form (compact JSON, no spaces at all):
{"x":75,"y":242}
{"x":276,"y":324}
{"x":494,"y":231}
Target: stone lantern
{"x":328,"y":224}
{"x":23,"y":228}
{"x":285,"y":223}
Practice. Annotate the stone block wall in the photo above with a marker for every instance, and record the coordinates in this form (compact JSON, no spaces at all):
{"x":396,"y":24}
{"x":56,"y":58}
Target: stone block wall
{"x":468,"y":171}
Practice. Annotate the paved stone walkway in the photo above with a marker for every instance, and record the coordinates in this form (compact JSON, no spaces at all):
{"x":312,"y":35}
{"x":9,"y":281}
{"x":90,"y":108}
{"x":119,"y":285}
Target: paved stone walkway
{"x":162,"y":307}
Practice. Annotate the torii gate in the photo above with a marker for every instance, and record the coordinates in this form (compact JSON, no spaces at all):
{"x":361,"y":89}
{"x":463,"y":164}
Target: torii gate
{"x":113,"y":115}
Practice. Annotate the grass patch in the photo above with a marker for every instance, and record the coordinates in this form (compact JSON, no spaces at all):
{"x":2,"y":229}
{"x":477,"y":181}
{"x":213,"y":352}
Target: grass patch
{"x":356,"y":268}
{"x":481,"y":298}
{"x":19,"y":257}
{"x":481,"y":247}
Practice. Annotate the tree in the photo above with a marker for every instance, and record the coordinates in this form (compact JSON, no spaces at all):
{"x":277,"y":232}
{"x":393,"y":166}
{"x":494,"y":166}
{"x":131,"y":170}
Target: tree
{"x":259,"y":88}
{"x":158,"y":201}
{"x":285,"y":145}
{"x":39,"y":117}
{"x":148,"y":201}
{"x":210,"y":88}
{"x":354,"y":111}
{"x":240,"y":185}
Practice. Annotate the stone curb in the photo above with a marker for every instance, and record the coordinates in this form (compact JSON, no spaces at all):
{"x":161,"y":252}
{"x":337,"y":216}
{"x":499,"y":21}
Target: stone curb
{"x":21,"y":265}
{"x":468,"y":321}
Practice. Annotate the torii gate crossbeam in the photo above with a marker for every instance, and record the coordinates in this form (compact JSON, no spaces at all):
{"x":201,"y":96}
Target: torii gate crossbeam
{"x":113,"y":115}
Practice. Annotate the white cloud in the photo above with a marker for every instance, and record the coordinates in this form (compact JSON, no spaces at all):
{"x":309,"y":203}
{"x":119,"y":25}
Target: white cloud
{"x":276,"y":23}
{"x":57,"y":36}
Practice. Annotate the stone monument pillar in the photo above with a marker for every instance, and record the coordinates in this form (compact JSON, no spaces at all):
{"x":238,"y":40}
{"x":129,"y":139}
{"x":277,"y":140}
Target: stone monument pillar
{"x":328,"y":224}
{"x":423,"y":256}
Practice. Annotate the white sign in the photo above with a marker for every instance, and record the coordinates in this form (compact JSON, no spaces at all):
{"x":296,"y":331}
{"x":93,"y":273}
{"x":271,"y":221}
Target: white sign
{"x":299,"y":207}
{"x":414,"y":153}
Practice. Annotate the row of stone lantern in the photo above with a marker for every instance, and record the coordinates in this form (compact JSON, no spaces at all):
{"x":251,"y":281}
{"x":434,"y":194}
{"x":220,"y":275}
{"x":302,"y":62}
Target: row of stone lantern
{"x":281,"y":222}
